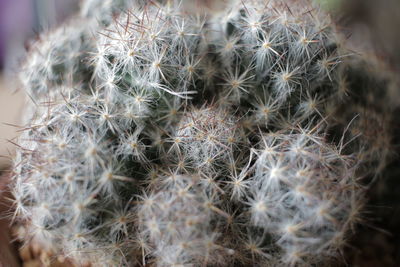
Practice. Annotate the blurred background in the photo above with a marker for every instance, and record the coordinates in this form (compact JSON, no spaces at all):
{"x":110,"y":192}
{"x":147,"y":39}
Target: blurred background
{"x":20,"y":23}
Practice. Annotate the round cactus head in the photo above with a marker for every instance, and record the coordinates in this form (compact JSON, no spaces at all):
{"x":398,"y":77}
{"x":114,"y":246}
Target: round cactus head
{"x":163,"y":133}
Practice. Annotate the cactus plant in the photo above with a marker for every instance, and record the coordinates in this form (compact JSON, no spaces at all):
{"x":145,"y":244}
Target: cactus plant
{"x":167,"y":137}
